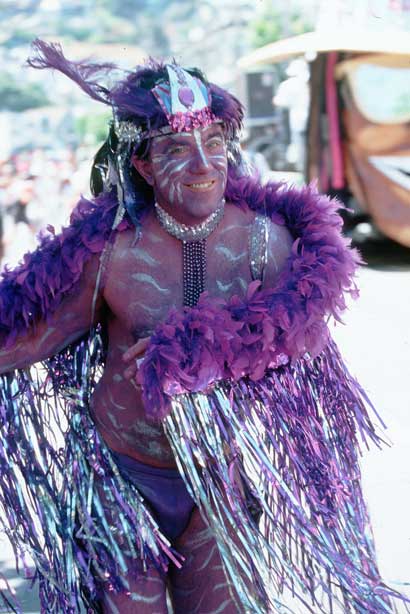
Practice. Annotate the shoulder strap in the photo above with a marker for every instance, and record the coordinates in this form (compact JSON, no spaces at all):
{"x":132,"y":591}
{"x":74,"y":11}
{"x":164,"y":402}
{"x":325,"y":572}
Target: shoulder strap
{"x":258,"y":246}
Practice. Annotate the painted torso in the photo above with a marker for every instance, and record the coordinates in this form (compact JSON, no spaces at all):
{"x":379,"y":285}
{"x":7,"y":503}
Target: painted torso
{"x":143,"y":282}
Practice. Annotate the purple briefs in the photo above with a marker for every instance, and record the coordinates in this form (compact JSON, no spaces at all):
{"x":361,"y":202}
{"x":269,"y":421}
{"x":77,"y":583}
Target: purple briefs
{"x":163,"y":490}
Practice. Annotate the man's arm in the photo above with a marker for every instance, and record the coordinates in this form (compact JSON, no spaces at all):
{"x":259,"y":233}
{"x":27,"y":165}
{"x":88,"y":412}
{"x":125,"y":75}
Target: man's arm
{"x":67,"y":323}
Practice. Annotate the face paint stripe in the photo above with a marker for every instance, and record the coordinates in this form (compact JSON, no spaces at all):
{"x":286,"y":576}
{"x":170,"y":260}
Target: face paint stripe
{"x":145,"y":599}
{"x":221,"y":585}
{"x":148,"y":279}
{"x":394,"y":173}
{"x":197,"y":136}
{"x":208,"y":559}
{"x":117,"y":406}
{"x":179,"y":194}
{"x":153,"y":311}
{"x":141,"y":254}
{"x":226,"y":287}
{"x":166,"y":166}
{"x":229,"y":254}
{"x":172,"y":172}
{"x":233,"y":227}
{"x":158,"y":158}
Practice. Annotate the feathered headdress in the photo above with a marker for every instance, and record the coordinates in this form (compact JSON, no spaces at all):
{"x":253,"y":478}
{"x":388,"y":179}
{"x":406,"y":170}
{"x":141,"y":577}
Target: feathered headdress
{"x":153,"y":99}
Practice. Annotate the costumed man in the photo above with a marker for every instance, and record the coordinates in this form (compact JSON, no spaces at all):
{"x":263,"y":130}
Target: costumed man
{"x":189,"y":425}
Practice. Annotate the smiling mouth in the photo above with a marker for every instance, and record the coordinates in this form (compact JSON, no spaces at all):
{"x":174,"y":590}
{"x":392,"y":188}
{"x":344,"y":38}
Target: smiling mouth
{"x":396,"y":168}
{"x":203,"y":185}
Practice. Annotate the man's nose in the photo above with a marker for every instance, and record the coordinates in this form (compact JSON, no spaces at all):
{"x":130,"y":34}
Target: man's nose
{"x":200,"y":162}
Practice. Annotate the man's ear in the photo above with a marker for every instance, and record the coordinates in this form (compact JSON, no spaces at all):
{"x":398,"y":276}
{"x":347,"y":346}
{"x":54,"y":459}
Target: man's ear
{"x":144,"y":168}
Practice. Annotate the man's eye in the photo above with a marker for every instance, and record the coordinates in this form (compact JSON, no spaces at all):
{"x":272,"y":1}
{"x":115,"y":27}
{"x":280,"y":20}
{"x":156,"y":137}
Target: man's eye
{"x":218,"y":142}
{"x":176,"y":149}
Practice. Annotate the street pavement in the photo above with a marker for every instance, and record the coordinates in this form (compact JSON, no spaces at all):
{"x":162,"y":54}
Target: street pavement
{"x":375,"y":340}
{"x":20,"y":587}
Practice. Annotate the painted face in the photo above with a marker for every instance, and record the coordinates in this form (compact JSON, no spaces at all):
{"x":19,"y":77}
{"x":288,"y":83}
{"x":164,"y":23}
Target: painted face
{"x":377,"y":145}
{"x":189,"y":172}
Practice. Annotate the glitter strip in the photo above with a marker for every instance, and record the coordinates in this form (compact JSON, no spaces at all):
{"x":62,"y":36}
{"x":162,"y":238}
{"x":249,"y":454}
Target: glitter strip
{"x":294,"y":437}
{"x":62,"y":500}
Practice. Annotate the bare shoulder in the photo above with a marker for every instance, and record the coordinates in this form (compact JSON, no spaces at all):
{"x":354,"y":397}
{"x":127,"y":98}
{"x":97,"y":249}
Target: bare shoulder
{"x":279,"y":237}
{"x":241,"y":216}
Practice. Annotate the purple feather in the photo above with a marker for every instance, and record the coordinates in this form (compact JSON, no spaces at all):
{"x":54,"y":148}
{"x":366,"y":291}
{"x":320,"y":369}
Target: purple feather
{"x":85,"y":73}
{"x":216,"y":340}
{"x":131,"y":96}
{"x":36,"y":287}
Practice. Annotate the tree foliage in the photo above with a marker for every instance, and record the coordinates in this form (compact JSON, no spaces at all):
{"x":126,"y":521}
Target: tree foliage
{"x":92,"y":127}
{"x":17,"y":38}
{"x":131,"y":9}
{"x":16,"y":96}
{"x":272,"y":24}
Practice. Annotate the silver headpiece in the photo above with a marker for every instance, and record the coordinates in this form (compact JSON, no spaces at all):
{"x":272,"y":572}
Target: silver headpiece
{"x":128,"y":132}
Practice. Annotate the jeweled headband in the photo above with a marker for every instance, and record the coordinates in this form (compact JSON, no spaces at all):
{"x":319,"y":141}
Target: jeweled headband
{"x":185,"y":101}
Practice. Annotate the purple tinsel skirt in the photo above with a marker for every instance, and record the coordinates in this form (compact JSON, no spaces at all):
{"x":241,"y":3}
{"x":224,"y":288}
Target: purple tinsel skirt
{"x":163,"y":490}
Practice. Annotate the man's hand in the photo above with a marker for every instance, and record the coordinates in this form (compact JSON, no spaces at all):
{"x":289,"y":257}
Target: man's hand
{"x":133,"y":355}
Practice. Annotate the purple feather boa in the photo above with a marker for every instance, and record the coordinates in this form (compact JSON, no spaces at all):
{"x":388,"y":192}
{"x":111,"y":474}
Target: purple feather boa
{"x":217,"y":340}
{"x":36,"y":287}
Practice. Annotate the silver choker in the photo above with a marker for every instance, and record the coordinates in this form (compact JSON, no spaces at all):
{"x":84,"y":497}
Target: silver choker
{"x":189,"y":233}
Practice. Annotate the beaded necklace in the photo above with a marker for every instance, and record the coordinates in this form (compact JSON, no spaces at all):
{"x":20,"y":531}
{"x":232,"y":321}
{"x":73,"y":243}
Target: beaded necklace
{"x":193,"y":240}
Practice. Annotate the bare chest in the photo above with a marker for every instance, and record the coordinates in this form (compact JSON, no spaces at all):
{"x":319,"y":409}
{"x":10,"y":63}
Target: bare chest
{"x":145,"y":280}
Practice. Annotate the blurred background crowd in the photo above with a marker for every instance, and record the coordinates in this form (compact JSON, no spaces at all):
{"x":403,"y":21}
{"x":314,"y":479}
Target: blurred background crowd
{"x":30,"y":198}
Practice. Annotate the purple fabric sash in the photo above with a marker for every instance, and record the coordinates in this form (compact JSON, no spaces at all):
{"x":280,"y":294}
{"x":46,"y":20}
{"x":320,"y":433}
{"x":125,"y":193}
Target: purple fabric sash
{"x":163,"y":489}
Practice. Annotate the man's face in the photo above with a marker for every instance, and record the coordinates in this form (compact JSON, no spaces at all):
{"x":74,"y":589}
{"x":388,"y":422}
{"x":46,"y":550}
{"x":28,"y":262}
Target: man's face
{"x":188,"y":172}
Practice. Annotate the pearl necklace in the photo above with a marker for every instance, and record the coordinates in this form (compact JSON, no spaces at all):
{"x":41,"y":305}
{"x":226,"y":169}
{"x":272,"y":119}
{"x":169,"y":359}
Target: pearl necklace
{"x":193,"y":249}
{"x":189,"y":233}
